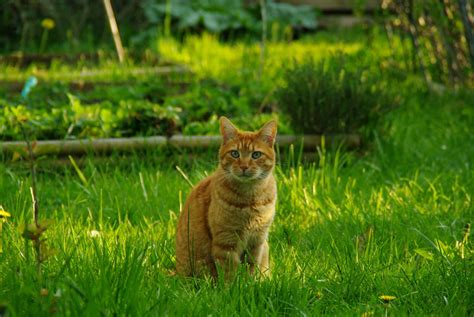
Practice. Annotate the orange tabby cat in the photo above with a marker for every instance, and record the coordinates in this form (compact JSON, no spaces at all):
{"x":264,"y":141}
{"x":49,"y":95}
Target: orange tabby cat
{"x":226,"y":217}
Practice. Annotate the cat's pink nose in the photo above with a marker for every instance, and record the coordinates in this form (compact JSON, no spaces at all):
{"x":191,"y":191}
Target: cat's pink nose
{"x":244,"y":168}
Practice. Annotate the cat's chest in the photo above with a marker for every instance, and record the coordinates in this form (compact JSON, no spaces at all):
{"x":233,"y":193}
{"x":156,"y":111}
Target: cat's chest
{"x":251,"y":215}
{"x":241,"y":211}
{"x":248,"y":205}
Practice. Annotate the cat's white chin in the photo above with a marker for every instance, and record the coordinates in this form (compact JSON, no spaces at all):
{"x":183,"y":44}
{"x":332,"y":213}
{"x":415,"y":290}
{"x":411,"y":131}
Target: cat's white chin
{"x":245,"y":178}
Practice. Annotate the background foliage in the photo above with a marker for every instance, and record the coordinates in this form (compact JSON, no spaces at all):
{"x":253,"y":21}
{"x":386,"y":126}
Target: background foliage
{"x":381,"y":230}
{"x":333,"y":96}
{"x":438,"y":36}
{"x":81,"y":25}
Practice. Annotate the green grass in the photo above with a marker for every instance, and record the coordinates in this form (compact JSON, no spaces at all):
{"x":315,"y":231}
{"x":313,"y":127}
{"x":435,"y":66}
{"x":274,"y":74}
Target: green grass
{"x":350,"y":227}
{"x":387,"y":219}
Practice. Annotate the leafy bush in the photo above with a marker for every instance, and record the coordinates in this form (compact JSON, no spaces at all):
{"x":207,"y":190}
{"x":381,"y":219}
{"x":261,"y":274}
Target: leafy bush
{"x":218,"y":16}
{"x":77,"y":120}
{"x":332,"y":96}
{"x":243,"y":121}
{"x":209,"y":98}
{"x":286,"y":14}
{"x":58,"y":111}
{"x":135,"y":117}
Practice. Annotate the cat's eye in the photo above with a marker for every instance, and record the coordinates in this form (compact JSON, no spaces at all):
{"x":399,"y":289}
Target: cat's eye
{"x":234,"y":153}
{"x":256,"y":155}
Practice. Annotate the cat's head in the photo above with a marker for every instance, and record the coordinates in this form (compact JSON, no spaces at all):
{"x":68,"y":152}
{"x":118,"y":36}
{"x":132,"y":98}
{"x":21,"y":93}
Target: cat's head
{"x":247,"y":156}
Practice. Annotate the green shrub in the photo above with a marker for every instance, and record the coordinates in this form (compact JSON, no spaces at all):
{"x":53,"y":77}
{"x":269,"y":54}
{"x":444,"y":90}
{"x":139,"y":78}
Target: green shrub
{"x":332,"y":96}
{"x":243,"y":121}
{"x":76,"y":120}
{"x":218,"y":16}
{"x":209,"y":98}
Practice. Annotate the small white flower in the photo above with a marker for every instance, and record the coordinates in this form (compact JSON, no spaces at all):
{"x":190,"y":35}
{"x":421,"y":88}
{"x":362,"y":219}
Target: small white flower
{"x":94,"y":233}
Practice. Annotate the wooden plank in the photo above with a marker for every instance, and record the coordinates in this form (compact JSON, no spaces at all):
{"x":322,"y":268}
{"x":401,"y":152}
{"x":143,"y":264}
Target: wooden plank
{"x":346,"y":21}
{"x":83,"y":85}
{"x":330,"y":5}
{"x":335,"y":5}
{"x":101,"y":73}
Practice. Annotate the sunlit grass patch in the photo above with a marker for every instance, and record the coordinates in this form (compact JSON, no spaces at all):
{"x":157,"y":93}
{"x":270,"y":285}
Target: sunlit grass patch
{"x":208,"y":57}
{"x":338,"y":242}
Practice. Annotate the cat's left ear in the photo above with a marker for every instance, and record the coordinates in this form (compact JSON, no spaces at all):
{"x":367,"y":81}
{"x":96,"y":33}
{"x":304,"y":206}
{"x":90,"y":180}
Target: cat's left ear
{"x":268,"y":132}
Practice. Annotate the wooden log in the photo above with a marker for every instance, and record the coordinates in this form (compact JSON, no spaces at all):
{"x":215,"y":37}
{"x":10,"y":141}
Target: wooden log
{"x":198,"y":141}
{"x":83,"y":85}
{"x":89,"y":75}
{"x":136,"y":71}
{"x":311,"y":142}
{"x":79,"y":147}
{"x":76,"y":147}
{"x":22,"y":59}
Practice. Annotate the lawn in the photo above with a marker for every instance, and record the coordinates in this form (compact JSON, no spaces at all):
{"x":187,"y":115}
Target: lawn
{"x":351,"y":227}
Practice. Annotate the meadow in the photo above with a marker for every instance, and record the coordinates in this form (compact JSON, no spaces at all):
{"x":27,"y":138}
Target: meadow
{"x":382,"y":230}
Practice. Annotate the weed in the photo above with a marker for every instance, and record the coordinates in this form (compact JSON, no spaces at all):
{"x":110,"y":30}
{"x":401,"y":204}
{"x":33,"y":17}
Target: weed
{"x":331,"y":97}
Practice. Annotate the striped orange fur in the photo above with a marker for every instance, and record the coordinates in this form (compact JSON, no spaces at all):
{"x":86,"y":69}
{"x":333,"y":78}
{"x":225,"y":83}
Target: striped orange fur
{"x":226,"y":218}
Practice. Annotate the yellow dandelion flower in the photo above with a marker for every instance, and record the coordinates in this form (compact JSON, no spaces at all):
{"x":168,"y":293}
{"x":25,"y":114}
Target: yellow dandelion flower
{"x":4,"y":214}
{"x":387,"y":298}
{"x":48,"y":24}
{"x":3,"y":217}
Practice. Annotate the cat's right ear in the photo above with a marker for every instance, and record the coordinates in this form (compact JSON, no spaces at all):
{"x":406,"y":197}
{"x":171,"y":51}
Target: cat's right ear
{"x":228,"y":130}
